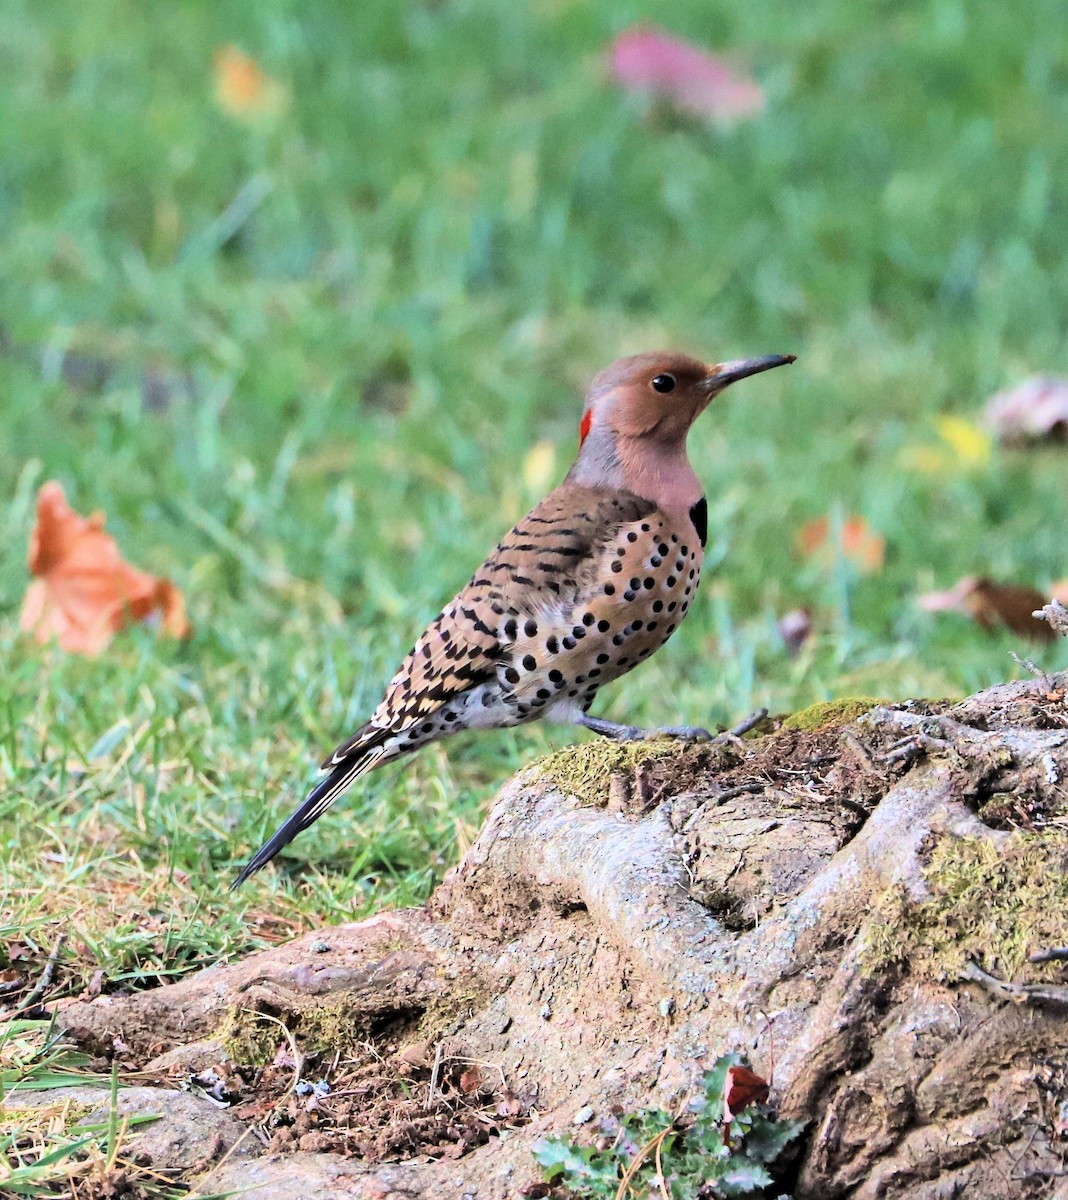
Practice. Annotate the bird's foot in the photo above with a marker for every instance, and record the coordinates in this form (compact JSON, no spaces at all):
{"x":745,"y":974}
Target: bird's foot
{"x":634,"y":733}
{"x":687,"y":733}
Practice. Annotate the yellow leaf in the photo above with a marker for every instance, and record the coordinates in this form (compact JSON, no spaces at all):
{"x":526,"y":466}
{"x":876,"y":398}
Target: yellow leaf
{"x":539,"y":466}
{"x":962,"y":445}
{"x":971,"y":445}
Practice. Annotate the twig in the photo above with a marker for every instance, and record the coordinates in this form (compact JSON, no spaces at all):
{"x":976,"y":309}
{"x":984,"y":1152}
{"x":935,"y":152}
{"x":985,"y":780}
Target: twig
{"x":652,"y":1146}
{"x":47,"y":975}
{"x":743,"y":726}
{"x":1054,"y":954}
{"x":741,"y":790}
{"x":914,"y":745}
{"x":1056,"y":614}
{"x":861,"y":751}
{"x":1020,"y":993}
{"x":435,"y":1074}
{"x":1028,"y":665}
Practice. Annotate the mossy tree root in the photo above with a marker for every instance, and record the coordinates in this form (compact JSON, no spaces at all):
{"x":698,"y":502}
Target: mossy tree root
{"x":810,"y":898}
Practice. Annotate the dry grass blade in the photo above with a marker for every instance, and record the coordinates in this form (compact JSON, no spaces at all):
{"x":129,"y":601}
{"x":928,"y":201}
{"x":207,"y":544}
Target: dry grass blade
{"x":661,"y":1181}
{"x":651,"y":1147}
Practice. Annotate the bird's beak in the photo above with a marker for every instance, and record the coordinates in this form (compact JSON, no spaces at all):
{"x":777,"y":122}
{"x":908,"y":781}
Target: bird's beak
{"x":730,"y":372}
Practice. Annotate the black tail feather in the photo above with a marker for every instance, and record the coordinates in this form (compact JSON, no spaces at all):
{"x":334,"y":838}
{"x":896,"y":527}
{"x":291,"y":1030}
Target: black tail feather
{"x":312,"y":807}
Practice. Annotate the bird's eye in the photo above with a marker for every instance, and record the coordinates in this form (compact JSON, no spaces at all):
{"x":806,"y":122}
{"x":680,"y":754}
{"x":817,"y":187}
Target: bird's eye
{"x":664,"y":383}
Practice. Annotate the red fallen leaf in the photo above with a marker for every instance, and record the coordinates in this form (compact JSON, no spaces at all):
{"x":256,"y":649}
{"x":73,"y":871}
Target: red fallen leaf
{"x":645,"y":59}
{"x":990,"y":604}
{"x":1035,"y":409}
{"x":744,"y":1087}
{"x":84,"y":591}
{"x":857,"y":541}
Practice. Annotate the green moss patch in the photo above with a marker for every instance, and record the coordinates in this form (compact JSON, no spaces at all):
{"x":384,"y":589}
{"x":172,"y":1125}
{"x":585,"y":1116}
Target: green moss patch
{"x":252,"y":1038}
{"x":987,"y":905}
{"x":583,"y":771}
{"x":828,"y":713}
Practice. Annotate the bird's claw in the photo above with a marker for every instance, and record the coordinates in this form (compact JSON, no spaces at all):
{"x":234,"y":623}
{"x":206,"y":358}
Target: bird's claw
{"x":689,"y":733}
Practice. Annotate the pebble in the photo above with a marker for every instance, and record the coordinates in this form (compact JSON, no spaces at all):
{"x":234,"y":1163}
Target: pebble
{"x":583,"y":1115}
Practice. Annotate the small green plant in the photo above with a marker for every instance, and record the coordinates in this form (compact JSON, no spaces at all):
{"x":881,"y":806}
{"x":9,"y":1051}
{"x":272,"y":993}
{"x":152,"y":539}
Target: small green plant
{"x":720,"y":1144}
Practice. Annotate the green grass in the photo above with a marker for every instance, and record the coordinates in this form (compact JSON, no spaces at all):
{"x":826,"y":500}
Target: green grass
{"x":455,"y":222}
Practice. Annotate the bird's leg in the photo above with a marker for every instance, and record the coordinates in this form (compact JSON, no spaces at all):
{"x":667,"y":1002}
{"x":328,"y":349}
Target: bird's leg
{"x":634,"y":733}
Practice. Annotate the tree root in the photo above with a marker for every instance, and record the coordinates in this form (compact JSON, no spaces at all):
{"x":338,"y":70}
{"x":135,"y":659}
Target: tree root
{"x":588,"y":956}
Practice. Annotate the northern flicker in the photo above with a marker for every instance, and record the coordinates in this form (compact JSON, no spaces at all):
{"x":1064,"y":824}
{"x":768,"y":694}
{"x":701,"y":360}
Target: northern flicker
{"x":584,"y":588}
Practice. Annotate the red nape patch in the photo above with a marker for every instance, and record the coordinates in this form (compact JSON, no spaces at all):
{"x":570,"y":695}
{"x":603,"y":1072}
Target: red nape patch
{"x":584,"y":428}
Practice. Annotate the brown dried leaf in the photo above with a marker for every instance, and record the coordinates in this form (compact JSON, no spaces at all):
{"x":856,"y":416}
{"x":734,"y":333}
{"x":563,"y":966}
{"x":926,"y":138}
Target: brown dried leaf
{"x":416,"y":1055}
{"x":470,"y":1080}
{"x":991,"y":604}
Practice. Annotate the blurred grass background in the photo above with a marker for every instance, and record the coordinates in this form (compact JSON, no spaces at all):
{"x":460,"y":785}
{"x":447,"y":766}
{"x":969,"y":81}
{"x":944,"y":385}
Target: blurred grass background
{"x":301,"y":361}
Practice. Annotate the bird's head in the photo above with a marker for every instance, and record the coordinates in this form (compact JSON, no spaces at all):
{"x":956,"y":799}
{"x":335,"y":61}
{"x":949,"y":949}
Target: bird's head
{"x":656,"y":397}
{"x":637,"y":415}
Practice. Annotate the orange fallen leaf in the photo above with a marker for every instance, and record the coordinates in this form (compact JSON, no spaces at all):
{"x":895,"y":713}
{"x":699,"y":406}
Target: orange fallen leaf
{"x":693,"y":81}
{"x":243,"y":88}
{"x":991,"y":604}
{"x":84,"y":591}
{"x":857,"y":541}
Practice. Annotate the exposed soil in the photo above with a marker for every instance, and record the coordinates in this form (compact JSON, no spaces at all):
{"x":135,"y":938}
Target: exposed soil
{"x":831,"y":899}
